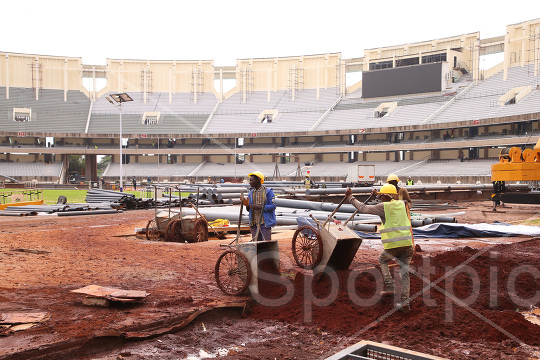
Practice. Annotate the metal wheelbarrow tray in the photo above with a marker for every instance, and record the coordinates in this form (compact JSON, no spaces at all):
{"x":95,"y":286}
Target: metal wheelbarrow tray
{"x":327,"y":244}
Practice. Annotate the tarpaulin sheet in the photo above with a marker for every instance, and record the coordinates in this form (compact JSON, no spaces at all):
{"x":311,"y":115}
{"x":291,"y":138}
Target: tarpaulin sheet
{"x":453,"y":230}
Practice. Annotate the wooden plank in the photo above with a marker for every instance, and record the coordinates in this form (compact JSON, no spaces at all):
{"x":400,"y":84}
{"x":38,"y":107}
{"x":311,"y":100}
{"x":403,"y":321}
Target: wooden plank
{"x":22,"y":317}
{"x":110,"y":293}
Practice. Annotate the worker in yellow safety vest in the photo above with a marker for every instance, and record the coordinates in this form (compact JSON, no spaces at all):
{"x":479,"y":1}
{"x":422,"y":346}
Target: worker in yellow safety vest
{"x":396,"y":236}
{"x":410,"y":181}
{"x":402,"y":193}
{"x":308,"y":183}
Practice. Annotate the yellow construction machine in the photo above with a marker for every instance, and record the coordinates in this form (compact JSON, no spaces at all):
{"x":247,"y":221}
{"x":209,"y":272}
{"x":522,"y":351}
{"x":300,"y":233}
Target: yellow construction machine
{"x":517,"y":165}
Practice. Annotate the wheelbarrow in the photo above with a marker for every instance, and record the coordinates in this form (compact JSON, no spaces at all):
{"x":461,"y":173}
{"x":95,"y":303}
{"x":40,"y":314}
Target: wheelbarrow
{"x":237,"y":269}
{"x":325,"y":244}
{"x":177,"y":227}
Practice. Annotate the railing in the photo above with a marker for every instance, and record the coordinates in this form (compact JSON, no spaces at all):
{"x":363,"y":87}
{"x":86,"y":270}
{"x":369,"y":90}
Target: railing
{"x":7,"y":197}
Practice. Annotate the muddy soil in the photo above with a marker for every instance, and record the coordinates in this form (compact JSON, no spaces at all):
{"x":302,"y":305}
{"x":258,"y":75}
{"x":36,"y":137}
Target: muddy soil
{"x":101,"y":250}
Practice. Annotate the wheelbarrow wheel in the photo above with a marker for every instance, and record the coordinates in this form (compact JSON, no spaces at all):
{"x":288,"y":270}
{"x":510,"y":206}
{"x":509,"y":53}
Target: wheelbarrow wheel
{"x":152,"y":232}
{"x":307,"y":247}
{"x":200,"y":230}
{"x":174,"y":231}
{"x":232,"y":272}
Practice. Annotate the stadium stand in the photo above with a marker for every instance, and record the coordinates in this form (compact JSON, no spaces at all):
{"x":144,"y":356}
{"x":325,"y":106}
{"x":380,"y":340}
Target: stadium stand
{"x":49,"y":113}
{"x":31,"y":171}
{"x":298,"y":115}
{"x":142,"y":170}
{"x":300,"y":108}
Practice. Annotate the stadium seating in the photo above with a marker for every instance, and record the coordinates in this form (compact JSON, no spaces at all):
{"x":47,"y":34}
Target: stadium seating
{"x":30,"y":171}
{"x":142,"y":170}
{"x":49,"y":113}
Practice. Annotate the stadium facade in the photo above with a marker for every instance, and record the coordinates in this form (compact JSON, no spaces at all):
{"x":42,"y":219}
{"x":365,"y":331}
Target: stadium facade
{"x":422,"y":109}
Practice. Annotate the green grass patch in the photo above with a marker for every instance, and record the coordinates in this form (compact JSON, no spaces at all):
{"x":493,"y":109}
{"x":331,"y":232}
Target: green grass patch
{"x":533,"y":222}
{"x":50,"y":196}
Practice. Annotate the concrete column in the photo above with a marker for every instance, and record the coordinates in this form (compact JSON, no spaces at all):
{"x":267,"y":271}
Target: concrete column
{"x":120,"y":77}
{"x":174,"y":77}
{"x":64,"y":159}
{"x":65,"y":79}
{"x":170,"y":85}
{"x":91,"y":167}
{"x":318,"y":80}
{"x":244,"y":86}
{"x":94,"y":83}
{"x":195,"y":83}
{"x":269,"y":85}
{"x":476,"y":61}
{"x":36,"y":69}
{"x":524,"y":41}
{"x":7,"y":76}
{"x":536,"y":50}
{"x":220,"y":86}
{"x":506,"y":62}
{"x":293,"y":82}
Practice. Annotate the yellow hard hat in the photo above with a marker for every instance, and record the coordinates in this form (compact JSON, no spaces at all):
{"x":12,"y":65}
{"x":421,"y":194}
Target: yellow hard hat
{"x":259,"y":175}
{"x":307,"y":175}
{"x":392,"y":177}
{"x":388,"y":189}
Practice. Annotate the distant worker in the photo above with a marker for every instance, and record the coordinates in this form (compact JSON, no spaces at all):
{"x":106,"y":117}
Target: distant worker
{"x":402,"y":194}
{"x":261,"y":204}
{"x":396,"y":236}
{"x":148,"y":180}
{"x":308,"y":183}
{"x":410,"y":181}
{"x":134,"y":182}
{"x":102,"y":183}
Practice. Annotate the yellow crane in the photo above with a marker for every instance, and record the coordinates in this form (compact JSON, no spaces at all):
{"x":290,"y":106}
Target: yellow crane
{"x":516,"y":165}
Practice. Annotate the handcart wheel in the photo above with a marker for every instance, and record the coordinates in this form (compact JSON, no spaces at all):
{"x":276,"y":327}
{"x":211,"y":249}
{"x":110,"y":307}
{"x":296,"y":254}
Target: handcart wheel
{"x":152,"y":232}
{"x":174,"y":231}
{"x":200,"y":231}
{"x":307,"y":247}
{"x":232,"y":272}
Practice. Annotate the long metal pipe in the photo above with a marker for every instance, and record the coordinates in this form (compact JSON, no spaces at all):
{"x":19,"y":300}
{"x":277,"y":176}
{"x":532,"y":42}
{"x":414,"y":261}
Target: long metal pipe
{"x":89,"y":212}
{"x":415,"y":188}
{"x":224,"y":196}
{"x":220,"y":190}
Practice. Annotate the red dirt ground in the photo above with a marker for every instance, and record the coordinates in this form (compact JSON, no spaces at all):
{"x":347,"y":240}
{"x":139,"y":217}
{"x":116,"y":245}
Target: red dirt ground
{"x":88,"y":250}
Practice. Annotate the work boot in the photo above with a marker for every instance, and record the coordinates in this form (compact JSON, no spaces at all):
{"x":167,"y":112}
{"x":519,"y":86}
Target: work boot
{"x":389,"y":291}
{"x":404,"y":308}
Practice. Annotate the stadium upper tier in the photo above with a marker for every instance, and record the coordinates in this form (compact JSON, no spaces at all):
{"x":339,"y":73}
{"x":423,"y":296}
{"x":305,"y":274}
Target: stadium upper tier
{"x":311,"y":110}
{"x":337,"y":170}
{"x":50,"y":113}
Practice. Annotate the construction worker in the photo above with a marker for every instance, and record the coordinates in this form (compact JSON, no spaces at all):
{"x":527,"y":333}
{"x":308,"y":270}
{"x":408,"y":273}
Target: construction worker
{"x":410,"y":181}
{"x":402,"y":193}
{"x":308,"y":183}
{"x":396,"y":236}
{"x":261,"y":204}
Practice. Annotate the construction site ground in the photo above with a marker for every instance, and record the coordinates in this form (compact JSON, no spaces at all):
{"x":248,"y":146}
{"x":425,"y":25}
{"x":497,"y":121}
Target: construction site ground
{"x":77,"y":251}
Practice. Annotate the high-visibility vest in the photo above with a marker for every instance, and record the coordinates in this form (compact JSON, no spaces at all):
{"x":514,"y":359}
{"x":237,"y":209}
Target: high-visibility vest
{"x":409,"y":182}
{"x":396,"y":231}
{"x":307,"y":183}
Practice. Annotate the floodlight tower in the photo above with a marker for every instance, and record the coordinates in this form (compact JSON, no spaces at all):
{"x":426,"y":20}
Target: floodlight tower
{"x":117,"y":100}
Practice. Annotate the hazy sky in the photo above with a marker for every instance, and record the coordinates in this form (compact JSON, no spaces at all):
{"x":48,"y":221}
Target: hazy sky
{"x":224,"y":31}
